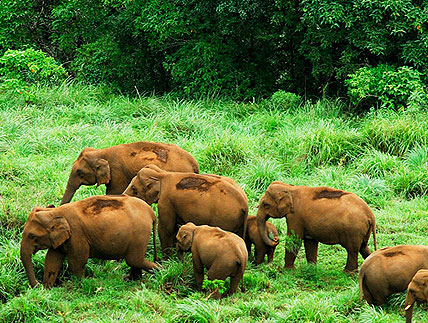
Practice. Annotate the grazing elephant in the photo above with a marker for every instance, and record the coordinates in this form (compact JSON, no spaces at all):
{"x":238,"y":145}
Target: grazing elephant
{"x":389,"y":270}
{"x":223,"y":253}
{"x":105,"y":227}
{"x":253,"y":237}
{"x":116,"y":166}
{"x":417,"y":291}
{"x":319,"y":214}
{"x":187,"y":197}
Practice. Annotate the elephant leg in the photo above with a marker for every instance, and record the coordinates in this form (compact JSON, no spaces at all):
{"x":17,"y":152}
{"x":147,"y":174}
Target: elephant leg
{"x":198,"y":271}
{"x":166,"y":230}
{"x":234,"y":281}
{"x":292,"y":251}
{"x":134,"y":274}
{"x":351,"y":261}
{"x":136,"y":259}
{"x":365,"y":251}
{"x":221,"y":271}
{"x":248,"y":245}
{"x":311,"y":250}
{"x":77,"y":259}
{"x":53,"y":263}
{"x":260,"y":252}
{"x":270,"y":253}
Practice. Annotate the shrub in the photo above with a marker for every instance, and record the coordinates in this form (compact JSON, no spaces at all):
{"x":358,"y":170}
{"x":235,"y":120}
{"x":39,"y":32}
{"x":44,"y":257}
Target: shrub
{"x":30,"y":66}
{"x":285,"y":100}
{"x":387,"y":86}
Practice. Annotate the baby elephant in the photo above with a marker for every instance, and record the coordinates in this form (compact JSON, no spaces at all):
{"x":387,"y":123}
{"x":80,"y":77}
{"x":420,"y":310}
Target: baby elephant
{"x":417,"y":291}
{"x":223,"y":253}
{"x":390,"y":270}
{"x":105,"y":227}
{"x":253,"y":237}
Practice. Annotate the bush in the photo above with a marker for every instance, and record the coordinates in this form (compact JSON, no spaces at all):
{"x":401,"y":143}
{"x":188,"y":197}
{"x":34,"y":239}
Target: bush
{"x":285,"y":100}
{"x":387,"y":86}
{"x":30,"y":66}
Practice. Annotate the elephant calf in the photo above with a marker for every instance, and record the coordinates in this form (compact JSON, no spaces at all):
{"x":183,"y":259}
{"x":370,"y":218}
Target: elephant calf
{"x":417,"y":291}
{"x":105,"y":227}
{"x":223,"y":253}
{"x":389,"y":270}
{"x":253,"y":237}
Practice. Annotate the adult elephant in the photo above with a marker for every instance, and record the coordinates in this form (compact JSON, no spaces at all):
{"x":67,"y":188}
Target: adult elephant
{"x":185,"y":197}
{"x":318,"y":214}
{"x":390,"y":270}
{"x":104,"y":227}
{"x":116,"y":166}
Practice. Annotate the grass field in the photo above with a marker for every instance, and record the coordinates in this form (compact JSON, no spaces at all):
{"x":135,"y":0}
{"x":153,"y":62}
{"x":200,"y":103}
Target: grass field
{"x":381,"y":156}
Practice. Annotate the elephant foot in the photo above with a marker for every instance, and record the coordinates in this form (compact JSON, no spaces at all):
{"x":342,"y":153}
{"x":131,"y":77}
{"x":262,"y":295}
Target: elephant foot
{"x":134,"y":274}
{"x":290,"y":267}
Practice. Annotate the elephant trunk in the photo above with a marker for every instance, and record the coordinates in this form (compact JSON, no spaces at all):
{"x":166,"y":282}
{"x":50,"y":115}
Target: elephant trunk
{"x":69,"y":191}
{"x":408,"y":307}
{"x":275,"y":234}
{"x":27,"y":261}
{"x":261,"y":226}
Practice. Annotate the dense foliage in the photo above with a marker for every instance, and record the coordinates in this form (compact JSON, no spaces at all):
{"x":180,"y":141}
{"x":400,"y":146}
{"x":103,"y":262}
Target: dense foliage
{"x":382,"y":156}
{"x":245,"y":49}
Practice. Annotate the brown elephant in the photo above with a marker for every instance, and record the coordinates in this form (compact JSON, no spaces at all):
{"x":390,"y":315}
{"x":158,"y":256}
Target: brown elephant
{"x":105,"y":227}
{"x":416,"y":292}
{"x":389,"y":270}
{"x":319,"y":214}
{"x":187,"y":197}
{"x":116,"y":166}
{"x":223,"y":253}
{"x":253,"y":237}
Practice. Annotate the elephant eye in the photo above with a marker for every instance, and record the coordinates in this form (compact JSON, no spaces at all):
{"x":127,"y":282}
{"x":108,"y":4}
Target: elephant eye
{"x":266,"y":205}
{"x":134,"y":190}
{"x":31,"y":236}
{"x":79,"y":173}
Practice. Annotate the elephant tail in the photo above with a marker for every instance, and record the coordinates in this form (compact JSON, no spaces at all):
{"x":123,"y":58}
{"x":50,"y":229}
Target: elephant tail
{"x":155,"y":250}
{"x":374,"y":235}
{"x":244,"y":216}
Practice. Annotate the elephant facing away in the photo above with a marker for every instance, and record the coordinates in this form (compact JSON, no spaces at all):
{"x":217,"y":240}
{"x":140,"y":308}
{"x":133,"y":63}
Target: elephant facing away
{"x":104,"y":227}
{"x":116,"y":166}
{"x":260,"y":248}
{"x":416,"y":292}
{"x":187,"y":197}
{"x":389,"y":270}
{"x":318,"y":214}
{"x":223,"y":253}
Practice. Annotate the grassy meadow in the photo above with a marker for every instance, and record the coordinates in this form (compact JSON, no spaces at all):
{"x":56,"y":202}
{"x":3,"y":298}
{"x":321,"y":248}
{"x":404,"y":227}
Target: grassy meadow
{"x":380,"y":155}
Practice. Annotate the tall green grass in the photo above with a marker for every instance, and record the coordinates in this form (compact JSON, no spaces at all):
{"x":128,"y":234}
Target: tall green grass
{"x":382,"y":156}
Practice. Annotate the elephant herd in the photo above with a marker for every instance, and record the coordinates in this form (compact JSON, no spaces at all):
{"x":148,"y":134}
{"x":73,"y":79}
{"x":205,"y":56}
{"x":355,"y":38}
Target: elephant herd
{"x":208,"y":215}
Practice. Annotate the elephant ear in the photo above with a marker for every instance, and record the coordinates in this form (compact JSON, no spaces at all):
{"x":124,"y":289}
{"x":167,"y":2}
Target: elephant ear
{"x":285,"y":201}
{"x":152,"y":171}
{"x":59,"y":231}
{"x":102,"y":171}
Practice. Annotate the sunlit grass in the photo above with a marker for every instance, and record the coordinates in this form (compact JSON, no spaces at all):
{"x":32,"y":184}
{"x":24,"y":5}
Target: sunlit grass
{"x":381,"y":156}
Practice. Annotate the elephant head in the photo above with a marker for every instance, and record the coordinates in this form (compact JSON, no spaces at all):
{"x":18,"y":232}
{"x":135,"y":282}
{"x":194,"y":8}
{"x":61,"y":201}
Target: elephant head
{"x":146,"y":185}
{"x":417,"y":291}
{"x":88,"y":169}
{"x":44,"y":229}
{"x":277,"y":202}
{"x":185,"y":236}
